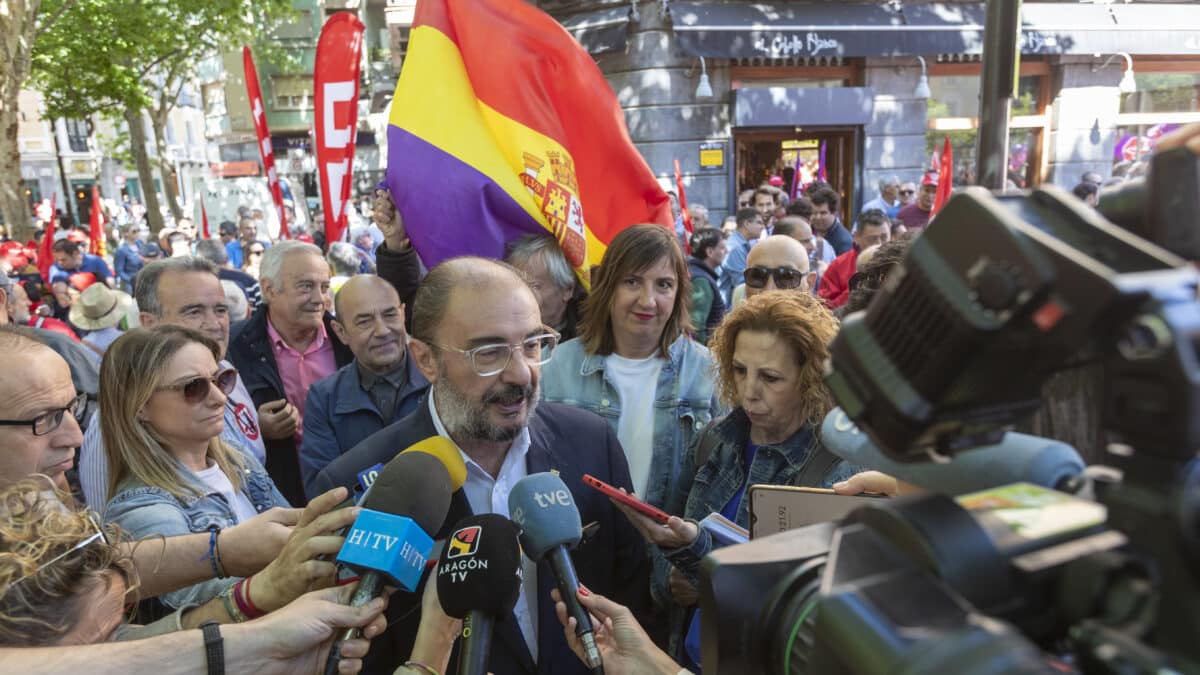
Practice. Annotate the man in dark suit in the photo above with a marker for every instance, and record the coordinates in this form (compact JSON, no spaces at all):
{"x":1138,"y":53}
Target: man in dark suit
{"x":479,"y":340}
{"x":284,"y":347}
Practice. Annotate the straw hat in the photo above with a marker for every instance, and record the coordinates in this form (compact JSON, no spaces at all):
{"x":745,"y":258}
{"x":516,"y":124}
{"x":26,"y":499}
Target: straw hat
{"x":100,"y":307}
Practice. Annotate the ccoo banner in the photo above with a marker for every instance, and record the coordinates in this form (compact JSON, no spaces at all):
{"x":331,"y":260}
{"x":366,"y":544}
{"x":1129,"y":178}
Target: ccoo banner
{"x":335,"y":90}
{"x":264,"y":138}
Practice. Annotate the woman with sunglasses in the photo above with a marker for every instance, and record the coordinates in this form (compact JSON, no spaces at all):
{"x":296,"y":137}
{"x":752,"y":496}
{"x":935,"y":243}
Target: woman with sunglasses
{"x":162,"y":403}
{"x":771,"y":352}
{"x":254,"y":258}
{"x":634,"y":364}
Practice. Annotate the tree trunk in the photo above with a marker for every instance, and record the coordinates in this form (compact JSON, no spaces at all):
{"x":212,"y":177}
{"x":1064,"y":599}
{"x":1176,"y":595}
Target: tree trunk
{"x":141,"y":158}
{"x":12,"y":189}
{"x":170,"y":191}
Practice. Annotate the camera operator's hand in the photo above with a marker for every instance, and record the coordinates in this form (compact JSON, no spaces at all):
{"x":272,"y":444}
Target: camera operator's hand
{"x":296,"y":569}
{"x":677,"y":533}
{"x":296,"y":639}
{"x":682,"y":590}
{"x":874,"y":482}
{"x":624,"y":646}
{"x":251,"y":545}
{"x":1188,"y":135}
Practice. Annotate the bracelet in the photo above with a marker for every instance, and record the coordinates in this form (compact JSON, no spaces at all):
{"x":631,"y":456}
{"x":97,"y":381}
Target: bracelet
{"x":421,"y":667}
{"x":231,"y":607}
{"x":214,"y":554}
{"x":241,"y":595}
{"x":214,"y":647}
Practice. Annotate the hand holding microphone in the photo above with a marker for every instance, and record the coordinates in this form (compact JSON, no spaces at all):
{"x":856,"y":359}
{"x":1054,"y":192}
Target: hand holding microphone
{"x":542,"y":506}
{"x":478,"y":581}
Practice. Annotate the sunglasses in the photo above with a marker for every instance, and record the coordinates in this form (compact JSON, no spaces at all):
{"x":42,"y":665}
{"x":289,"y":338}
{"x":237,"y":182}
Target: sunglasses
{"x":908,"y":192}
{"x":786,"y":278}
{"x":196,"y":389}
{"x":97,"y":535}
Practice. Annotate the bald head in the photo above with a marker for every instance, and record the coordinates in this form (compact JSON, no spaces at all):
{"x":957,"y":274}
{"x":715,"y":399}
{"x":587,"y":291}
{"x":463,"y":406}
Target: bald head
{"x":465,"y":276}
{"x":774,"y":252}
{"x":370,"y":321}
{"x":361,"y":288}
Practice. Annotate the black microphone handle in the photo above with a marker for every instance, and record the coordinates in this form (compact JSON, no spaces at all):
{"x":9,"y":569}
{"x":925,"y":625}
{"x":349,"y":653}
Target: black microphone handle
{"x":568,"y":586}
{"x":477,"y":643}
{"x":370,"y":586}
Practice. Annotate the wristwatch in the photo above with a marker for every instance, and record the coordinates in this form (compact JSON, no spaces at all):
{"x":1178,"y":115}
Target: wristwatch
{"x":214,"y":647}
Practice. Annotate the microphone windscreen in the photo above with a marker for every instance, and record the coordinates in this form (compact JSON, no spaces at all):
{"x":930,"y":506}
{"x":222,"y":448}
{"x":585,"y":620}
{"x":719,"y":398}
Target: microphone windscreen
{"x":480,"y":568}
{"x":416,"y":485}
{"x":445,"y":450}
{"x":544,"y":510}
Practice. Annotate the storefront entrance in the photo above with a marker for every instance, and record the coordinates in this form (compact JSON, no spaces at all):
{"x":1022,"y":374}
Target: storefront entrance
{"x":765,"y":152}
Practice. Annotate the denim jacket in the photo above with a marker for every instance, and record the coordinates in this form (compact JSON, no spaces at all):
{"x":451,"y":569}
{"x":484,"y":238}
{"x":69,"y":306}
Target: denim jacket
{"x":144,"y":511}
{"x":718,"y":480}
{"x":684,"y":403}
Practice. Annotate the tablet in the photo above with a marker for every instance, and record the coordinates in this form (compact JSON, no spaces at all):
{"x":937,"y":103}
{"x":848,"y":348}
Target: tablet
{"x":778,"y":508}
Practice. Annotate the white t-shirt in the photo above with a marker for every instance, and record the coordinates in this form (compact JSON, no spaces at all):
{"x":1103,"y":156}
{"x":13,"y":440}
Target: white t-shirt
{"x":636,"y":381}
{"x":216,"y":479}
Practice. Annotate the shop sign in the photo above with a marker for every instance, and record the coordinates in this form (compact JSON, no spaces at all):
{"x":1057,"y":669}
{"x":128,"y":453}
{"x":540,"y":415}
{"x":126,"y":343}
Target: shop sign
{"x":784,"y":45}
{"x":712,"y":156}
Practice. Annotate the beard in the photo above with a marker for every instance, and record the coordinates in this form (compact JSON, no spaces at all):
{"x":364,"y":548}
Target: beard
{"x":469,"y":419}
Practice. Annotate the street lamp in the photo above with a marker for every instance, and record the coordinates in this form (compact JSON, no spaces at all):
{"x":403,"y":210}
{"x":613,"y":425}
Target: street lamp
{"x":1128,"y":84}
{"x":704,"y":89}
{"x":922,"y":90}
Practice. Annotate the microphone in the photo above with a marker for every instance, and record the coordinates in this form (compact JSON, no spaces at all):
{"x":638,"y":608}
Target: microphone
{"x":1018,"y":458}
{"x":541,"y":505}
{"x":448,"y":454}
{"x":389,"y":540}
{"x":478,"y":580}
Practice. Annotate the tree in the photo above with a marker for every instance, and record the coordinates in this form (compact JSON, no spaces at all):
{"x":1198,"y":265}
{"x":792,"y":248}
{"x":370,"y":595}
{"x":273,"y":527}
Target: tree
{"x":149,"y":50}
{"x":21,"y":24}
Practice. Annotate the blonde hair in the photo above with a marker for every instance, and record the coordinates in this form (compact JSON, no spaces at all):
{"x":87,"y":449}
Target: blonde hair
{"x":44,"y":572}
{"x":801,"y":321}
{"x":634,"y":249}
{"x":132,"y":370}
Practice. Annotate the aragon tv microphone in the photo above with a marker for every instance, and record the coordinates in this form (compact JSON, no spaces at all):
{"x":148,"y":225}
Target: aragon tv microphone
{"x":478,"y":580}
{"x":389,"y":540}
{"x":1019,"y":458}
{"x":542,"y":506}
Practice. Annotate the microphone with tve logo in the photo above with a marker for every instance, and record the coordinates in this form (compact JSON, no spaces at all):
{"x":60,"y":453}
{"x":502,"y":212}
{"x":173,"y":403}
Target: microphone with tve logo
{"x":389,"y":540}
{"x":478,"y":581}
{"x":541,"y":505}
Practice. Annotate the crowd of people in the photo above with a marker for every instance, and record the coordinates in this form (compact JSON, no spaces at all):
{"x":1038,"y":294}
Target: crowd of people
{"x":180,"y":420}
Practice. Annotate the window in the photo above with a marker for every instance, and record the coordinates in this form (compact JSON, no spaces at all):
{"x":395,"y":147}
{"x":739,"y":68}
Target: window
{"x":1163,"y":92}
{"x":1167,"y":97}
{"x":77,"y":135}
{"x":292,"y":93}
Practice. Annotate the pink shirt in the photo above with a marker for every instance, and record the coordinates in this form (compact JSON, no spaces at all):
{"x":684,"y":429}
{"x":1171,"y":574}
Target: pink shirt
{"x":300,"y":370}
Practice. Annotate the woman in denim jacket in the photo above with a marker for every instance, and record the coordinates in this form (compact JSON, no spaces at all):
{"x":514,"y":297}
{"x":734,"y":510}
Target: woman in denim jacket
{"x":162,"y":398}
{"x":771,"y":352}
{"x":633,"y":362}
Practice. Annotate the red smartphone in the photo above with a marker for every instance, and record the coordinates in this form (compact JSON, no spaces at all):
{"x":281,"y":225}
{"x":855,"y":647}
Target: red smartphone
{"x":627,"y":499}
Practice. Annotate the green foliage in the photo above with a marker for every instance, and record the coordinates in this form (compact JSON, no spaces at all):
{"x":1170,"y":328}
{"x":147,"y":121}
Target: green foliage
{"x":102,"y":56}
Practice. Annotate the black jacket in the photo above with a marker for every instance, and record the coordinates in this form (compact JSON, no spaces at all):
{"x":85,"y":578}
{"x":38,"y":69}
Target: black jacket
{"x":612,"y":562}
{"x":401,"y":269}
{"x":250,"y":352}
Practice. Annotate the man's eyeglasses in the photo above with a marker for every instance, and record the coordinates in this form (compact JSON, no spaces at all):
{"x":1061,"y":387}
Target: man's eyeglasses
{"x":786,"y":278}
{"x":97,"y":535}
{"x":50,"y":420}
{"x":488,"y":360}
{"x":196,"y":389}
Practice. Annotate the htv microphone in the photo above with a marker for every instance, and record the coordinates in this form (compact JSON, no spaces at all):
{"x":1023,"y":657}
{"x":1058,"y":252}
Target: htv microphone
{"x":1019,"y":458}
{"x":542,"y":506}
{"x":389,"y":540}
{"x":478,"y":580}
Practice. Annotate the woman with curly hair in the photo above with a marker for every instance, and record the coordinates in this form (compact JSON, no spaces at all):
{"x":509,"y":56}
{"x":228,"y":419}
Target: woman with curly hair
{"x":61,"y":582}
{"x":770,"y":352}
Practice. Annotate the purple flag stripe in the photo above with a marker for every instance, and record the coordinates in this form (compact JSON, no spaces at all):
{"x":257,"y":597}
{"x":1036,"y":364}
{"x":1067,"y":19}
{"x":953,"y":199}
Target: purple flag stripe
{"x":450,"y":208}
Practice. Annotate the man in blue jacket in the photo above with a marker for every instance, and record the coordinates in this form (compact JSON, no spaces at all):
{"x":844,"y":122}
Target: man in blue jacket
{"x":379,"y":387}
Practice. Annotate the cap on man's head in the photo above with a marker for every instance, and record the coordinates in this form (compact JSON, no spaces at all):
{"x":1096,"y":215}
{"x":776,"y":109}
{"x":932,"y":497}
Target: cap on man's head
{"x":152,"y":250}
{"x":930,"y":178}
{"x":776,"y":181}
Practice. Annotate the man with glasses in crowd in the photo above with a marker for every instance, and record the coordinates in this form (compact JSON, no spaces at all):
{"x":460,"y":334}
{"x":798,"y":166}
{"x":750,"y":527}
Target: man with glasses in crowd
{"x":873,"y":229}
{"x":478,"y":338}
{"x":184,"y":291}
{"x":908,"y":194}
{"x":778,"y":263}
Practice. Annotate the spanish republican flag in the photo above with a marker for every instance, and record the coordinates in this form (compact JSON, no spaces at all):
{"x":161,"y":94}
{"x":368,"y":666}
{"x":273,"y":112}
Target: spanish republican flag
{"x":502,"y":125}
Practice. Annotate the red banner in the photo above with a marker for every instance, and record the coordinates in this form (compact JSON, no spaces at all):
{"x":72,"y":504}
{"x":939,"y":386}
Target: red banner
{"x":45,"y":257}
{"x":335,"y":94}
{"x":204,"y":233}
{"x":98,"y":240}
{"x":683,"y":210}
{"x":945,"y":177}
{"x":259,"y":112}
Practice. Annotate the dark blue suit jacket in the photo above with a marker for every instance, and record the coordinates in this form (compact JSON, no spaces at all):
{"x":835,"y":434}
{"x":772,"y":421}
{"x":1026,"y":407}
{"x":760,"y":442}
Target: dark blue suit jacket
{"x":612,"y":562}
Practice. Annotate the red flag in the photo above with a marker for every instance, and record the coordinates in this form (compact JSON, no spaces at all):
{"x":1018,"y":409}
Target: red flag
{"x":335,"y":93}
{"x":945,"y":177}
{"x":45,"y":257}
{"x":204,"y":233}
{"x":683,"y":210}
{"x":99,"y":240}
{"x":259,"y":113}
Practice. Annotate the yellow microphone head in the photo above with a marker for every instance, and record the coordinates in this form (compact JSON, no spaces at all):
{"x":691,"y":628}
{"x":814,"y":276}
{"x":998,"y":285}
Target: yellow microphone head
{"x":447,"y":453}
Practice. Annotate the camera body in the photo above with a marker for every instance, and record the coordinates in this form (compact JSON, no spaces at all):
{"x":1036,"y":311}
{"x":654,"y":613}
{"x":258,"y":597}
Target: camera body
{"x":998,"y":294}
